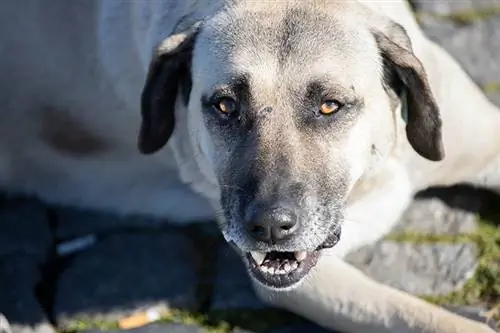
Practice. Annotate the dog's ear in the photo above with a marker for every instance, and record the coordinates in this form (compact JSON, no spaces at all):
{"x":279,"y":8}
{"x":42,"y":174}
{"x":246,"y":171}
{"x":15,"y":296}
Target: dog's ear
{"x":169,"y":71}
{"x":423,"y":128}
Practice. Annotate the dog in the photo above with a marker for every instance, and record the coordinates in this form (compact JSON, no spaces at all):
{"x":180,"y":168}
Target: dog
{"x":304,"y":127}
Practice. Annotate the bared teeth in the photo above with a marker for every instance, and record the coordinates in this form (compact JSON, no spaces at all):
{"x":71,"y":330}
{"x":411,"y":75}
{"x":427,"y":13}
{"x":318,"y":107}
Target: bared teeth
{"x":278,"y":263}
{"x":300,"y":256}
{"x":258,"y":257}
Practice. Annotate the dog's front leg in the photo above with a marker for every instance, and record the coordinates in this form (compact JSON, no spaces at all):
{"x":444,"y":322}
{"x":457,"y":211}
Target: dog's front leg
{"x":338,"y":296}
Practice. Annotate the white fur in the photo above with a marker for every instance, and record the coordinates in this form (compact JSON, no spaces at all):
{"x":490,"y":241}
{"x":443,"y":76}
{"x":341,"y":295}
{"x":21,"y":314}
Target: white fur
{"x":99,"y":85}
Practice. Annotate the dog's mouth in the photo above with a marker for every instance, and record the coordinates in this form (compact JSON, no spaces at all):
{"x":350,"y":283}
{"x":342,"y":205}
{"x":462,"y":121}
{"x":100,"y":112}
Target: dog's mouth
{"x":281,"y":270}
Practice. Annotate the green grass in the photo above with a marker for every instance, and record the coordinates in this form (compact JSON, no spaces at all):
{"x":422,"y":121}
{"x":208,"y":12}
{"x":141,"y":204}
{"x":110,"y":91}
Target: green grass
{"x":84,"y":324}
{"x":492,"y":87}
{"x":212,"y":322}
{"x":483,"y":289}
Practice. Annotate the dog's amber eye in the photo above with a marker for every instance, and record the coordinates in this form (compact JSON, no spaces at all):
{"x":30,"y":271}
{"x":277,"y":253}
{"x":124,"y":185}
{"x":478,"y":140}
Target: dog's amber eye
{"x":329,"y":107}
{"x":226,"y":105}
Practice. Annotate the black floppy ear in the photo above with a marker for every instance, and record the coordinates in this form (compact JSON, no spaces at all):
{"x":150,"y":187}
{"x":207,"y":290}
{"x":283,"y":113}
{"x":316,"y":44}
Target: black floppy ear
{"x":168,"y":72}
{"x":423,"y":128}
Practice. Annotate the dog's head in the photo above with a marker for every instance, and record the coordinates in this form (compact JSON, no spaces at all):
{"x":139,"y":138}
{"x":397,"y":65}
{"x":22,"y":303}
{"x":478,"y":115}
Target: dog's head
{"x":290,"y":104}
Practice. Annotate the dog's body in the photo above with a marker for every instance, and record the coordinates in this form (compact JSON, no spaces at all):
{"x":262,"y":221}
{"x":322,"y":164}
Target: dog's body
{"x":71,"y":81}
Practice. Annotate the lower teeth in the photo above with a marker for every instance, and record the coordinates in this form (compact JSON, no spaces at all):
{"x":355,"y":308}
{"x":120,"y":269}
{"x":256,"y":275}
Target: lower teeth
{"x":279,"y":267}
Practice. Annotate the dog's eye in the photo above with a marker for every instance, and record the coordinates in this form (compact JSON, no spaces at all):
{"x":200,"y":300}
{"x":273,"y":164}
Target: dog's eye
{"x":225,"y":105}
{"x":329,"y":107}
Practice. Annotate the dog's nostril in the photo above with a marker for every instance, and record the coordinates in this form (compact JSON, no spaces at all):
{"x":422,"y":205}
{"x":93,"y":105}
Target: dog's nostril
{"x":272,"y":225}
{"x":283,"y":229}
{"x":287,"y":227}
{"x":260,"y":232}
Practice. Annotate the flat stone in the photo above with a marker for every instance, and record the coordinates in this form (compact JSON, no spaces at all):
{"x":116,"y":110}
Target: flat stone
{"x":24,"y":228}
{"x":434,"y":216}
{"x":302,"y":328}
{"x":443,"y":7}
{"x":475,"y":46}
{"x":156,"y":328}
{"x":232,"y":287}
{"x":19,"y":275}
{"x":125,"y":273}
{"x":74,"y":222}
{"x":426,"y":269}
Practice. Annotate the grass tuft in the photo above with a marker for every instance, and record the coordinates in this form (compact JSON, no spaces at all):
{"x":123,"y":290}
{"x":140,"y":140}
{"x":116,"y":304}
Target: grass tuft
{"x":483,"y":289}
{"x":492,"y":87}
{"x":212,"y":321}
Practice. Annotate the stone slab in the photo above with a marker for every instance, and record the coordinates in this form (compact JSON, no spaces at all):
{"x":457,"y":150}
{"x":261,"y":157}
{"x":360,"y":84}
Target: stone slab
{"x":476,"y":46}
{"x":427,"y":269}
{"x":232,"y":287}
{"x":446,"y":7}
{"x":74,"y":222}
{"x":434,"y":216}
{"x":125,"y":273}
{"x":303,"y":328}
{"x":19,"y":275}
{"x":24,"y":228}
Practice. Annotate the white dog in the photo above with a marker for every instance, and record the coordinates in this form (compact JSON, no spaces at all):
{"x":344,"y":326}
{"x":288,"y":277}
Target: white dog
{"x":305,"y":126}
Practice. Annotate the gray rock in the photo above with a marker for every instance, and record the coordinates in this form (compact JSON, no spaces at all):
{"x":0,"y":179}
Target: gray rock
{"x":434,"y":216}
{"x":232,"y":287}
{"x":157,"y":328}
{"x":309,"y":328}
{"x":44,"y":327}
{"x":125,"y":273}
{"x":429,"y":269}
{"x":476,"y":46}
{"x":74,"y":222}
{"x":24,"y":228}
{"x":445,"y":7}
{"x":25,"y":241}
{"x":19,"y":276}
{"x":239,"y":330}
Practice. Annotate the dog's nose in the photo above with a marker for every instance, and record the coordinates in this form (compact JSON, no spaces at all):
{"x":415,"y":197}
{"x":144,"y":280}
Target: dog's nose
{"x":272,"y":225}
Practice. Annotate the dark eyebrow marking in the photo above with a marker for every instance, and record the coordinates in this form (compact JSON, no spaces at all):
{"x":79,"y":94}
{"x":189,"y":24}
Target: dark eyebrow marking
{"x":238,"y":87}
{"x":318,"y":89}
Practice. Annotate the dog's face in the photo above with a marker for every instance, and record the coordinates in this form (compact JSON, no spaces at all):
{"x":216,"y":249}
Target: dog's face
{"x":288,"y":105}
